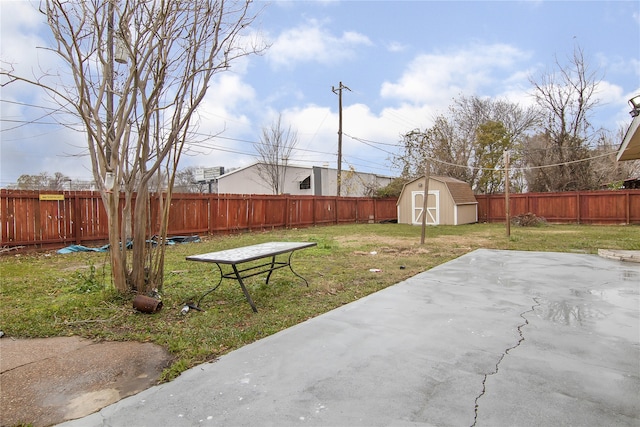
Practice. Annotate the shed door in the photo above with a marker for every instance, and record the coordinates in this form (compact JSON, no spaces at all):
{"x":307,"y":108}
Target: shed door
{"x":433,"y":212}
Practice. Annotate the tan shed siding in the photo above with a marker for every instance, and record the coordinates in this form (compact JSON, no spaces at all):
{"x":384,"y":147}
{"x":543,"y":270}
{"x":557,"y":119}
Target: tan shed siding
{"x":404,"y":204}
{"x":467,"y":214}
{"x":447,"y":207}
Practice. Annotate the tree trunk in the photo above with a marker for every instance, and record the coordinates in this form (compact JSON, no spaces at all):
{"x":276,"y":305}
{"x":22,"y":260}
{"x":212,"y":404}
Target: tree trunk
{"x":116,"y":248}
{"x":139,"y":270}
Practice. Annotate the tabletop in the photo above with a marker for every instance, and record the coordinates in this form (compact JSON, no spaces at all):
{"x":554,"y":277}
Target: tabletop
{"x":250,"y":253}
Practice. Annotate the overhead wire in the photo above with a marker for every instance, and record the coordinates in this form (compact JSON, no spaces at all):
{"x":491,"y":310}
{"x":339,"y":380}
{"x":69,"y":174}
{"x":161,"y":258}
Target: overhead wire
{"x":522,"y":169}
{"x":371,"y":143}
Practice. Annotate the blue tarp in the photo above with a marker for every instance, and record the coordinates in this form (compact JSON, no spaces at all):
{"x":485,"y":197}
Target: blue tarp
{"x":80,"y":248}
{"x":105,"y":248}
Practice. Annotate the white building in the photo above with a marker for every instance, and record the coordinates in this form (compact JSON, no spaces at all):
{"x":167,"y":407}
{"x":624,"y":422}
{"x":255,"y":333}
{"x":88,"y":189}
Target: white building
{"x":300,"y":180}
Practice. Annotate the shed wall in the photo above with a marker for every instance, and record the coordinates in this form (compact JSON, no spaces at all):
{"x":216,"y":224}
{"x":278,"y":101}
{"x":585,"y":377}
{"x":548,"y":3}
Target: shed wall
{"x":467,"y":214}
{"x":447,"y":209}
{"x":404,"y":203}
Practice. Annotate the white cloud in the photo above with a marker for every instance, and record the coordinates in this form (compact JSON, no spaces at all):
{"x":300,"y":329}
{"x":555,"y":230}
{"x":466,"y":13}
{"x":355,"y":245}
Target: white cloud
{"x":437,"y":78}
{"x":317,"y":128}
{"x":311,"y":42}
{"x":395,"y":46}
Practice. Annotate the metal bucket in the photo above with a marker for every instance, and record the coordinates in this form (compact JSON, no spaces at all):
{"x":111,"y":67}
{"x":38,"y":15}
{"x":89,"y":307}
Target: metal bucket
{"x":146,"y":304}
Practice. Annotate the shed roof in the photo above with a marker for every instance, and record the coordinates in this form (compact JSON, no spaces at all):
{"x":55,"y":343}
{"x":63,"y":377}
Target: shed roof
{"x":460,"y":191}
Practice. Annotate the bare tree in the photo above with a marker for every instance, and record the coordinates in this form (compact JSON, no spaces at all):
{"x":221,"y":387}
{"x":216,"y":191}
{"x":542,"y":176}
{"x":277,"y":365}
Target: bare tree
{"x":274,"y":152}
{"x":186,"y":182}
{"x":33,"y":182}
{"x":610,"y":173}
{"x":567,"y":98}
{"x":454,"y":145}
{"x":140,"y":70}
{"x":43,"y":181}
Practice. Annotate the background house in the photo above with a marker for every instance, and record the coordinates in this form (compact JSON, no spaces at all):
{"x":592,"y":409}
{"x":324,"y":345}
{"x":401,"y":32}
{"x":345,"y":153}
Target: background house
{"x":630,"y":147}
{"x":300,"y":180}
{"x":450,"y":202}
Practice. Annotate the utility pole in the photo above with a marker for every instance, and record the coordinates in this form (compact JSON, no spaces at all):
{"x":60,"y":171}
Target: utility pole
{"x":425,"y":199}
{"x":507,"y":209}
{"x":338,"y":91}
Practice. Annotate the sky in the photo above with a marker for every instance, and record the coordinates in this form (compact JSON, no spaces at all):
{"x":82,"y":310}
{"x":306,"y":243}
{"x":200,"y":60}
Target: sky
{"x":403,"y":62}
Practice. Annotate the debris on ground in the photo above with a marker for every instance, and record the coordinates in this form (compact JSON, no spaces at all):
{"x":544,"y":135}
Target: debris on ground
{"x":528,"y":220}
{"x":154,"y":240}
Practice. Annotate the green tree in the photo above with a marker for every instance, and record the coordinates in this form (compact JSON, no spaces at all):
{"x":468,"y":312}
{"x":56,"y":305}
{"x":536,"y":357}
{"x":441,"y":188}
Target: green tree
{"x":393,"y":189}
{"x":492,"y":139}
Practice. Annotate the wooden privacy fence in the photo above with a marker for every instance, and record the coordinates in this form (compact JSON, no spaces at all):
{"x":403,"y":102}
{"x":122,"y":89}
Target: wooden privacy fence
{"x":581,"y":207}
{"x":32,"y":218}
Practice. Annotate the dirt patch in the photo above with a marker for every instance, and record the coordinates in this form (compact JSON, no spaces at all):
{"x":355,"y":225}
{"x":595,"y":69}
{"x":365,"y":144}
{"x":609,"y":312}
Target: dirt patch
{"x":50,"y":380}
{"x":411,"y":245}
{"x":349,"y":241}
{"x":398,"y":251}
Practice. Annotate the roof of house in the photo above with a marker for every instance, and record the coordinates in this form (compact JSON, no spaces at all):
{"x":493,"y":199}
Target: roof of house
{"x":460,"y":191}
{"x":294,"y":166}
{"x":630,"y":147}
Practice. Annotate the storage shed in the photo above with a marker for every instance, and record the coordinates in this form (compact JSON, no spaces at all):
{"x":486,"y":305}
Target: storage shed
{"x":450,"y":202}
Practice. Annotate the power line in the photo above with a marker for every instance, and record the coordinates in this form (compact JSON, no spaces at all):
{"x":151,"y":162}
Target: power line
{"x":371,"y":143}
{"x":521,"y":169}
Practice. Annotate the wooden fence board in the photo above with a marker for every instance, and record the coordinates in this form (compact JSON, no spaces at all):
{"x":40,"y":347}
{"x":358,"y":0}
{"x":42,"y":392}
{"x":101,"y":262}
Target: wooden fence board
{"x":587,"y":207}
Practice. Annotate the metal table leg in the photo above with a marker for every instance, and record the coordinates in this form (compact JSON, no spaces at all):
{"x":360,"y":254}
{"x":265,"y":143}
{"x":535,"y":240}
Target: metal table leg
{"x":273,"y":263}
{"x":244,"y":289}
{"x":291,"y":268}
{"x":214,"y":288}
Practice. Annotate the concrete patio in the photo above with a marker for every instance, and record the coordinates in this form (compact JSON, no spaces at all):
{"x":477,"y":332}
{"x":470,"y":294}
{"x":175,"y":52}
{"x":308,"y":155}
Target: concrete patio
{"x":493,"y":338}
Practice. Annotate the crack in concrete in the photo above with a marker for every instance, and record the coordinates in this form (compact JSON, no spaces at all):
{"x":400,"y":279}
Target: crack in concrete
{"x":484,"y":380}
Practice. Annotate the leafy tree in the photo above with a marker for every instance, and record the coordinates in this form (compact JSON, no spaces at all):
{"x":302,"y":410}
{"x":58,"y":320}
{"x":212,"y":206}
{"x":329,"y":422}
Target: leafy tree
{"x":393,"y":189}
{"x":491,"y":142}
{"x":140,"y":70}
{"x":274,"y":151}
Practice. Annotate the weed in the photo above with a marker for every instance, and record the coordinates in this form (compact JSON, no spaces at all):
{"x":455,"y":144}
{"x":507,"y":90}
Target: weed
{"x":88,"y":282}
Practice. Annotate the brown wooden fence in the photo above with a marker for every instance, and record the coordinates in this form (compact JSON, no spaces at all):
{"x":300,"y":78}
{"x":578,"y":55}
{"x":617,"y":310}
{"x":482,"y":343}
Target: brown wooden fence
{"x":592,"y":207}
{"x":30,"y":218}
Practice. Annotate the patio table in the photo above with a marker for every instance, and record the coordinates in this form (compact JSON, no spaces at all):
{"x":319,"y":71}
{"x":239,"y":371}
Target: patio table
{"x":237,"y":257}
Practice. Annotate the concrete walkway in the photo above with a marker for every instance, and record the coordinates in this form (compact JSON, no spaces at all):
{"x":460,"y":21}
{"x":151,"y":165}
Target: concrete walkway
{"x":493,"y":338}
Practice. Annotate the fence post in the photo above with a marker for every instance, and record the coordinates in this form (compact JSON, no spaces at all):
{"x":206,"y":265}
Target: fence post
{"x":375,"y":210}
{"x":628,"y":203}
{"x":76,"y":215}
{"x":488,"y":208}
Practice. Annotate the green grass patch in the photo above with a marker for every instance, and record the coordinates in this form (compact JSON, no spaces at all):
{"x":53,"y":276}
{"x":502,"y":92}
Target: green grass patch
{"x":46,"y":294}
